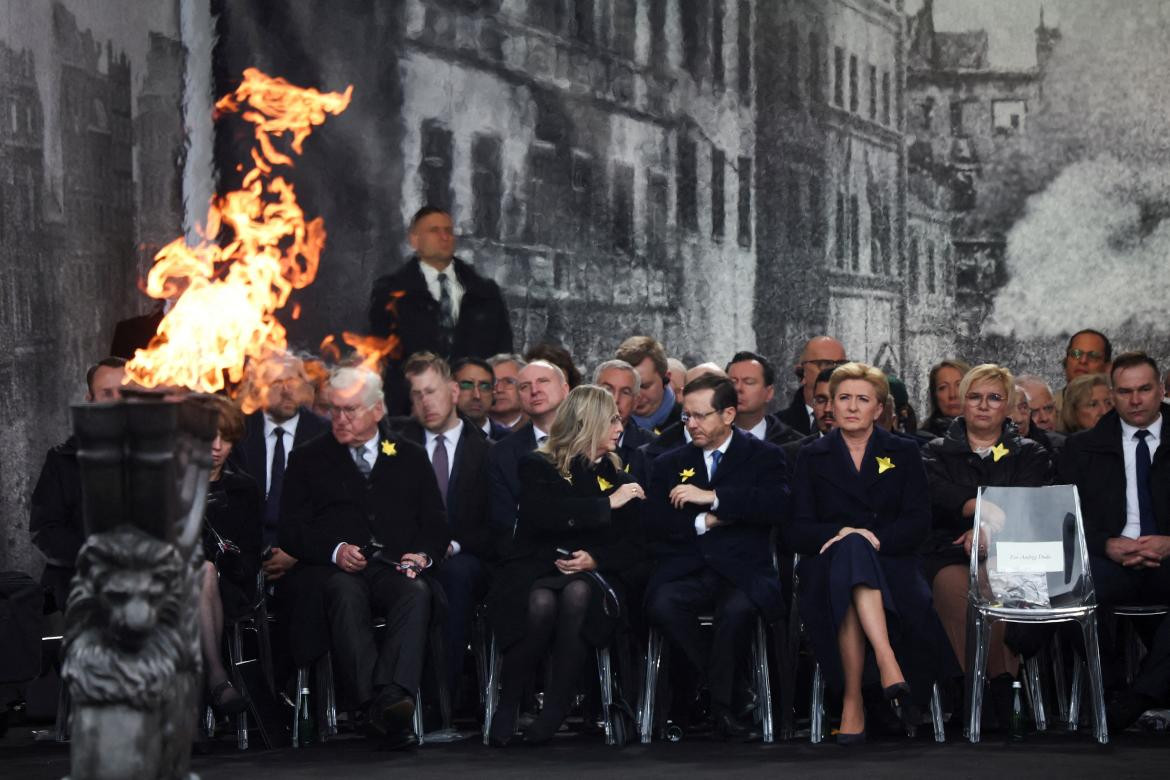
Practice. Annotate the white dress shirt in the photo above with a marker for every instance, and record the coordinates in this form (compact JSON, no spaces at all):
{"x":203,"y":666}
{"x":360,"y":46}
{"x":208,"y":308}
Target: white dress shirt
{"x":487,"y":427}
{"x":538,"y":433}
{"x":370,"y":453}
{"x":450,"y":442}
{"x":290,"y":431}
{"x":812,"y":416}
{"x":1129,"y":442}
{"x":431,"y":277}
{"x":701,"y":518}
{"x":758,"y":429}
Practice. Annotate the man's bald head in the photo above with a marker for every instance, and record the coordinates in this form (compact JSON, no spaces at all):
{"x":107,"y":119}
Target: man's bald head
{"x":819,"y":353}
{"x":703,"y":369}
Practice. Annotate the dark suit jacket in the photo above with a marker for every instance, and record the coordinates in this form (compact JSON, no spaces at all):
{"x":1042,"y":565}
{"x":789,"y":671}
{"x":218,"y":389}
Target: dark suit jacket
{"x":498,"y":431}
{"x":1093,"y":461}
{"x":670,"y":438}
{"x":55,"y":518}
{"x":796,"y":415}
{"x":483,"y":328}
{"x":630,"y":450}
{"x":778,"y":432}
{"x":135,"y":333}
{"x":792,"y":449}
{"x":326,"y":501}
{"x":251,"y":455}
{"x":752,"y":488}
{"x":504,"y":477}
{"x":830,"y":493}
{"x":467,"y":490}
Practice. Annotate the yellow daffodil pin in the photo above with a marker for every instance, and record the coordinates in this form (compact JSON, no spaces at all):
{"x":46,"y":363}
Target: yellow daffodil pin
{"x":685,"y":474}
{"x":389,"y":449}
{"x":998,"y":451}
{"x":604,"y":483}
{"x":884,"y":465}
{"x":627,"y":469}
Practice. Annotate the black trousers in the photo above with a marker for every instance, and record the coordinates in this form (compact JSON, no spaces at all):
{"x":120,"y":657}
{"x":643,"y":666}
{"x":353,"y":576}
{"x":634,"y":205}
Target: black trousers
{"x":465,"y":581}
{"x":674,"y":608}
{"x":1117,"y":585}
{"x":351,"y":602}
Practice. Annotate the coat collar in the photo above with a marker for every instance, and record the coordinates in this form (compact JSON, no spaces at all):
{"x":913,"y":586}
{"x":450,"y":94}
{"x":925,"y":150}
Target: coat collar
{"x":840,"y":469}
{"x":414,"y":281}
{"x":737,"y":452}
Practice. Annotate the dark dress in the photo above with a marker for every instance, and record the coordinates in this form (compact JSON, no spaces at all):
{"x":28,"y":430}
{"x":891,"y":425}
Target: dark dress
{"x":830,"y":493}
{"x":576,"y":515}
{"x":955,"y":474}
{"x":233,"y":511}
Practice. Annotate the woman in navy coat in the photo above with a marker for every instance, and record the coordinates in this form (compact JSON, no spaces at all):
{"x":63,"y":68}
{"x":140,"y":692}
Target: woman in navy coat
{"x":861,"y":510}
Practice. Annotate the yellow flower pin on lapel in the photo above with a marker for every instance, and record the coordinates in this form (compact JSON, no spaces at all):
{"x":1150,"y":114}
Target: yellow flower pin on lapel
{"x":685,"y":474}
{"x":389,"y":449}
{"x":604,"y":483}
{"x":997,"y":452}
{"x":884,"y":465}
{"x":627,"y":468}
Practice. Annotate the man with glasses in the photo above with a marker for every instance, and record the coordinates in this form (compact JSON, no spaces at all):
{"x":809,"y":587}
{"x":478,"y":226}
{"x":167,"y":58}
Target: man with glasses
{"x":818,"y":354}
{"x":505,"y":409}
{"x":1042,"y":413}
{"x":1122,"y":474}
{"x":477,"y":383}
{"x":823,"y":415}
{"x":711,"y":508}
{"x":622,"y":381}
{"x":1088,"y":352}
{"x":363,"y":514}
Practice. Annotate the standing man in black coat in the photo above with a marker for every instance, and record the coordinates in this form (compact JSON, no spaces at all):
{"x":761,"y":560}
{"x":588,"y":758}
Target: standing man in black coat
{"x":1122,"y":473}
{"x":55,"y":520}
{"x":362,"y":510}
{"x":755,"y":386}
{"x":712,"y":506}
{"x":818,"y":354}
{"x":437,"y":303}
{"x":458,"y":452}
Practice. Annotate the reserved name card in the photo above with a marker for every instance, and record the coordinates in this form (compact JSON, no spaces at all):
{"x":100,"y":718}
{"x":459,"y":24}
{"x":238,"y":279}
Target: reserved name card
{"x":1029,"y":556}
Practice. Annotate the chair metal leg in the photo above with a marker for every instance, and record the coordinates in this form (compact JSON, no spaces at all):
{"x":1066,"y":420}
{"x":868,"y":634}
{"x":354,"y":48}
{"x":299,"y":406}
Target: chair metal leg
{"x":479,"y":650}
{"x":936,"y":714}
{"x":1074,"y":701}
{"x":64,"y":713}
{"x":442,"y":689}
{"x":605,"y":680}
{"x":491,"y":692}
{"x":816,"y":716}
{"x":209,"y":722}
{"x":418,"y":717}
{"x":235,"y":655}
{"x":329,"y":692}
{"x":1096,"y":682}
{"x":1035,"y":694}
{"x":763,"y":682}
{"x":302,"y":683}
{"x":649,"y":685}
{"x":1059,"y":677}
{"x":977,"y":672}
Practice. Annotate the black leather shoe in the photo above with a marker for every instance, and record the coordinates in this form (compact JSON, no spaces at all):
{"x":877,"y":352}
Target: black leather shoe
{"x":392,"y":710}
{"x":898,"y":695}
{"x":1125,"y":709}
{"x":502,"y":732}
{"x":398,"y":740}
{"x":847,"y":740}
{"x":731,"y":728}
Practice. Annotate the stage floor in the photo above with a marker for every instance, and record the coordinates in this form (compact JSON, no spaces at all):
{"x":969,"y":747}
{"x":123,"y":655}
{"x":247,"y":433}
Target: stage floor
{"x":1129,"y":754}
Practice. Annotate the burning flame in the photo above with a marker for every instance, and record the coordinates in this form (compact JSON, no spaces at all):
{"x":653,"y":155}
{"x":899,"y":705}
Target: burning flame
{"x":228,"y":290}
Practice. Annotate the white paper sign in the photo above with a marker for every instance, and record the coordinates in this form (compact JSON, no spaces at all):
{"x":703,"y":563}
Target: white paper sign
{"x":1029,"y":556}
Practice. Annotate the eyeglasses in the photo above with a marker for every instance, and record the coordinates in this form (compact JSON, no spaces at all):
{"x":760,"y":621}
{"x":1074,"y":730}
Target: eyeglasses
{"x":1090,"y":354}
{"x":467,"y":384}
{"x":349,"y":412}
{"x":823,"y":364}
{"x":994,"y":400}
{"x":697,"y":416}
{"x":506,"y":380}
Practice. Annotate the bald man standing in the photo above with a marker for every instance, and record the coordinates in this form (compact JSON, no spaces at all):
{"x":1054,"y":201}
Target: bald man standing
{"x":818,"y":354}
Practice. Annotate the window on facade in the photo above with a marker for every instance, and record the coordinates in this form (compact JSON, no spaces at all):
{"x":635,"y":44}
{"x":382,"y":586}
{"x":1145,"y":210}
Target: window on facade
{"x":687,"y":185}
{"x":657,"y":216}
{"x":815,"y":90}
{"x":581,"y":185}
{"x":1007,"y":116}
{"x":486,"y":187}
{"x":623,"y":207}
{"x":854,"y":233}
{"x":435,"y":166}
{"x":692,"y":18}
{"x":792,"y":66}
{"x":718,"y":168}
{"x":583,"y":20}
{"x":624,"y":27}
{"x":885,"y":98}
{"x":853,"y":96}
{"x":957,"y":117}
{"x":717,"y":41}
{"x":839,"y":77}
{"x":816,"y":212}
{"x":548,"y":183}
{"x":549,"y":14}
{"x":841,"y":238}
{"x":931,"y":283}
{"x":873,"y":93}
{"x":912,"y":277}
{"x":744,"y":36}
{"x":745,"y":202}
{"x":657,"y":13}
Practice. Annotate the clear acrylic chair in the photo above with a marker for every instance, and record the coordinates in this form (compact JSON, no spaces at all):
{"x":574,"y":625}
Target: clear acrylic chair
{"x":1036,"y":571}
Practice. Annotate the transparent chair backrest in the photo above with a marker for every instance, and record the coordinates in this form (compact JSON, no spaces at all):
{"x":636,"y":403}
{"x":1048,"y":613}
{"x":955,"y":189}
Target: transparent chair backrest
{"x":1035,"y":542}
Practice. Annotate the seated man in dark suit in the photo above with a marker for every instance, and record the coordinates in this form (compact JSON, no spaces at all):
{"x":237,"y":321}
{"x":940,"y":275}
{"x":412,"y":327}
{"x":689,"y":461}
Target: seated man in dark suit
{"x":755,"y":384}
{"x":477,"y":381}
{"x":675,"y":434}
{"x":1122,"y":474}
{"x":712,"y":507}
{"x":818,"y":354}
{"x":822,"y":415}
{"x":621,"y":380}
{"x":458,"y":453}
{"x":542,"y":388}
{"x":437,"y":302}
{"x":655,"y":407}
{"x":361,"y":508}
{"x":55,"y":520}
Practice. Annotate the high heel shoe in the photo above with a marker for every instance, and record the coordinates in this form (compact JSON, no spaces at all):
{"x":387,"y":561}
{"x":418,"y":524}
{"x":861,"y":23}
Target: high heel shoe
{"x":898,"y":695}
{"x":502,"y":732}
{"x":848,"y":740}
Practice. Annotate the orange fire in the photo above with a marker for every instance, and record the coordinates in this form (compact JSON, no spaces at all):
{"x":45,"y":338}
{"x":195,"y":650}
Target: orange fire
{"x":228,"y":289}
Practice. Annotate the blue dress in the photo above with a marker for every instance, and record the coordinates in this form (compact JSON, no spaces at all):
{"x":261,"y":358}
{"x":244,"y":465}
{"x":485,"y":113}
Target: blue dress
{"x":889,"y":497}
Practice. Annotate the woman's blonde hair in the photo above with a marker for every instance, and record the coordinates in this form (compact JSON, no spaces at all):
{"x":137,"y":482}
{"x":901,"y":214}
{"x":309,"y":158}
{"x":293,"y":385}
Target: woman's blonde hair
{"x":1078,"y":391}
{"x":582,"y":423}
{"x":863,"y":371}
{"x":988,"y":372}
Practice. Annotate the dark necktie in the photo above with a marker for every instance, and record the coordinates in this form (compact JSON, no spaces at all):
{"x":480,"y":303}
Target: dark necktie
{"x":1145,"y":498}
{"x":275,"y":483}
{"x":446,"y":313}
{"x":359,"y":457}
{"x":716,"y":456}
{"x":439,"y":464}
{"x":541,"y":440}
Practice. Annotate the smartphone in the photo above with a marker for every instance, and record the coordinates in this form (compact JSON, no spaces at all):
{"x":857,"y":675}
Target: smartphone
{"x":564,"y":554}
